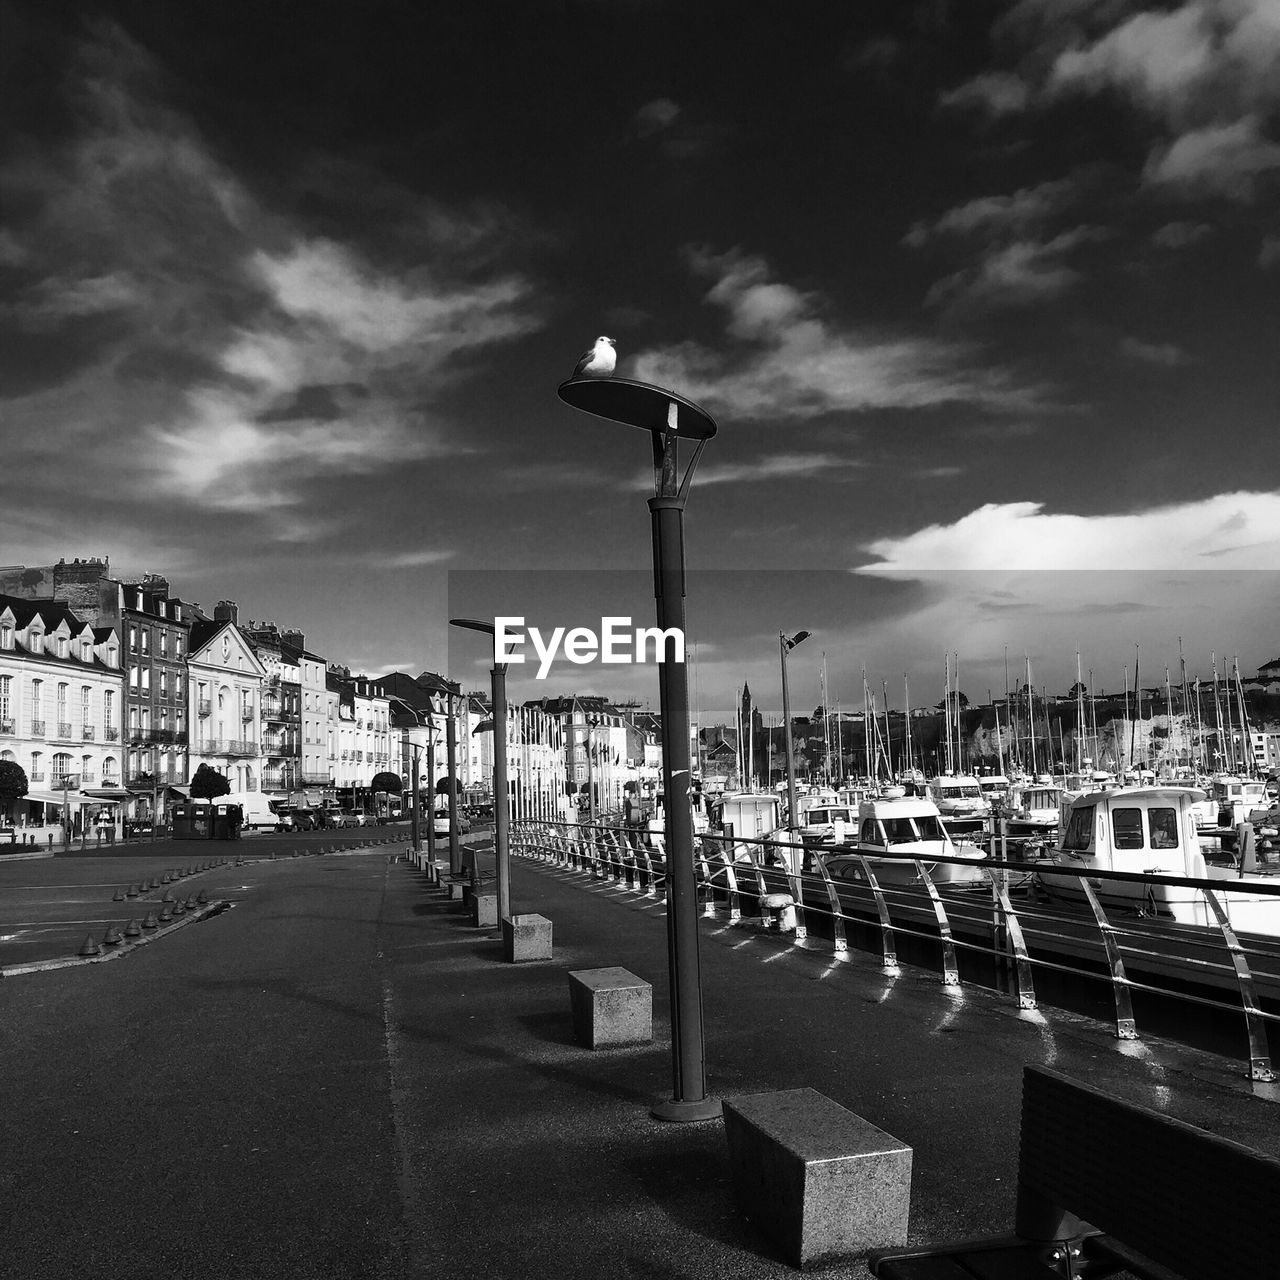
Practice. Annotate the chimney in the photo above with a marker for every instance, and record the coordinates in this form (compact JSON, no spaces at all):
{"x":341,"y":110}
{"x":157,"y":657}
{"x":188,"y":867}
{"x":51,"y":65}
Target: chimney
{"x":226,"y":611}
{"x":294,"y":637}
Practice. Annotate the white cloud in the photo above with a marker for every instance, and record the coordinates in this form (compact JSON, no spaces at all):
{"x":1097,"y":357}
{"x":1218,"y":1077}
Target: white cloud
{"x":999,"y":93}
{"x":1161,"y":353}
{"x":789,"y":361}
{"x":1157,"y":56}
{"x":775,"y":466}
{"x":1224,"y":159}
{"x":1228,"y":531}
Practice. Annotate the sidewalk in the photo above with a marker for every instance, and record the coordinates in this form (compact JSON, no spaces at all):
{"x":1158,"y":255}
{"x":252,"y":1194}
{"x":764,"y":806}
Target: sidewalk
{"x":340,"y":1077}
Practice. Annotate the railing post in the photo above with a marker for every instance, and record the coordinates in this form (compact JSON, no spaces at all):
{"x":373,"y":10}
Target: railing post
{"x":950,"y":971}
{"x":1126,"y":1028}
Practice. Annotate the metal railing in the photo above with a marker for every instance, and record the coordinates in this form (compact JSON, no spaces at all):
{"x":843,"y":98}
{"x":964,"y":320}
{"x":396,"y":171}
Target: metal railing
{"x":1002,"y":929}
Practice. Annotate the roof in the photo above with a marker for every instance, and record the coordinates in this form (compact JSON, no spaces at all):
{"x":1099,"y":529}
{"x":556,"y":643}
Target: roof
{"x":51,"y":612}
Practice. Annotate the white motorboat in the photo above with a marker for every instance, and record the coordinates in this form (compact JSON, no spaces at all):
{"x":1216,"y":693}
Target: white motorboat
{"x":893,"y":834}
{"x":961,"y":805}
{"x":1150,"y":832}
{"x":1035,"y":809}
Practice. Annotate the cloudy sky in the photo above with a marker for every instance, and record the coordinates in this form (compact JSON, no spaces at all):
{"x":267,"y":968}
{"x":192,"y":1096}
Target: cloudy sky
{"x":983,"y":297}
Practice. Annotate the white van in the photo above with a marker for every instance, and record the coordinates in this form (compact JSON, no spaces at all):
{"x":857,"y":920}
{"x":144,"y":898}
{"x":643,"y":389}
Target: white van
{"x":258,"y":811}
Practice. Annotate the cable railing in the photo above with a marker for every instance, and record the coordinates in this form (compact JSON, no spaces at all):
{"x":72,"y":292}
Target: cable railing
{"x":1001,"y":928}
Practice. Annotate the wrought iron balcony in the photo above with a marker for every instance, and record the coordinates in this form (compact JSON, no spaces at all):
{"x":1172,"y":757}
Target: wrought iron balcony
{"x":111,"y":734}
{"x":205,"y":707}
{"x":37,"y":775}
{"x":37,"y":728}
{"x":6,"y":726}
{"x":64,"y":728}
{"x":87,"y":732}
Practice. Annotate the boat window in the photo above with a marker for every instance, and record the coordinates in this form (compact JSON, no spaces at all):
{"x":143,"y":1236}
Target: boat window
{"x":1127,"y":825}
{"x":1079,"y":832}
{"x":928,"y":827}
{"x":868,"y":834}
{"x":1164,"y":828}
{"x":899,"y":830}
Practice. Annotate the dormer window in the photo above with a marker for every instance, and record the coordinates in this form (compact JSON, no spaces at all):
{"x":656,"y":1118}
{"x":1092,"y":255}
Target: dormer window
{"x":112,"y":657}
{"x":6,"y":635}
{"x":62,"y":646}
{"x":35,"y":641}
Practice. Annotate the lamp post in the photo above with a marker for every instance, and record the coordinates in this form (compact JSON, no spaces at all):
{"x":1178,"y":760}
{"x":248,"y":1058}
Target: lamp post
{"x":451,"y":748}
{"x":501,"y":808}
{"x":785,"y":646}
{"x":668,"y":417}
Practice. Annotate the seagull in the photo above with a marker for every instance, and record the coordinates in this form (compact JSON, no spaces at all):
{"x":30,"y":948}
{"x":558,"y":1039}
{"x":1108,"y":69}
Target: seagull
{"x":599,"y":362}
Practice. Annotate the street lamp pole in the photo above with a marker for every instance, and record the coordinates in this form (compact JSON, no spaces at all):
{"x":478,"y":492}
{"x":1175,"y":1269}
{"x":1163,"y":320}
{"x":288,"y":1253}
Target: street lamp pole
{"x":501,"y":791}
{"x":784,"y":647}
{"x":451,"y":748}
{"x":667,"y":417}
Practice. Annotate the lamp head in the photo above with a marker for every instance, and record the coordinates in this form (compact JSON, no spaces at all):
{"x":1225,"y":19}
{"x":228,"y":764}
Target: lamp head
{"x":797,"y":639}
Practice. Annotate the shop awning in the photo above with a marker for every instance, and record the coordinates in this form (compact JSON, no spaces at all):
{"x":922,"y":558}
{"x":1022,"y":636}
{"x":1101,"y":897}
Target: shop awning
{"x":106,"y":793}
{"x":183,"y":791}
{"x":73,"y":798}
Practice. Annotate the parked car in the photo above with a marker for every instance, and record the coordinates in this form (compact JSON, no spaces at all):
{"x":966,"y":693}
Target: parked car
{"x":440,"y":823}
{"x":297,"y":820}
{"x":343,"y":818}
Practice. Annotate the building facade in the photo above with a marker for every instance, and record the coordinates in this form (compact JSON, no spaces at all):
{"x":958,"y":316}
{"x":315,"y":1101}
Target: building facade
{"x":60,"y":707}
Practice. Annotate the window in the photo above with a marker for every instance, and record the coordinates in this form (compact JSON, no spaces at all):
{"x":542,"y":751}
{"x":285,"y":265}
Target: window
{"x":6,"y":635}
{"x":86,"y":650}
{"x":1126,"y":826}
{"x":133,"y":639}
{"x":868,"y":833}
{"x":110,"y":769}
{"x":6,"y":693}
{"x":108,"y":708}
{"x":164,"y":644}
{"x":1079,"y":833}
{"x":86,"y":700}
{"x":112,"y":656}
{"x":1164,"y":828}
{"x":133,"y":677}
{"x":146,"y":640}
{"x":146,"y":679}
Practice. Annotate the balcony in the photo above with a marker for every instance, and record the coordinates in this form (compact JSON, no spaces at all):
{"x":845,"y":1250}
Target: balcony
{"x":37,"y":775}
{"x":87,"y":733}
{"x":64,"y":728}
{"x":204,"y":707}
{"x":6,"y":726}
{"x":248,"y":715}
{"x":37,"y":728}
{"x":111,"y":734}
{"x":316,"y":779}
{"x":87,"y":777}
{"x":239,"y":747}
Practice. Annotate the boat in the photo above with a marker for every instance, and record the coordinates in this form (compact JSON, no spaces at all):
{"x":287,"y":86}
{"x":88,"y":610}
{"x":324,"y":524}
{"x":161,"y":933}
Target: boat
{"x":1237,"y":799}
{"x":828,"y":825}
{"x":994,"y":788}
{"x":1035,"y":809}
{"x":893,"y":834}
{"x":959,"y":801}
{"x":1152,"y":831}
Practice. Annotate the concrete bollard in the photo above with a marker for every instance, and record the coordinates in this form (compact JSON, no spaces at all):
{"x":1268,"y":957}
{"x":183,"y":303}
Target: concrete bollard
{"x":611,"y":1007}
{"x":823,"y":1183}
{"x":526,"y":938}
{"x":484,"y":908}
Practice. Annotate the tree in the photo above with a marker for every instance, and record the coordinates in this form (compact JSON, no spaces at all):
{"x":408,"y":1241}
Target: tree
{"x":13,"y":785}
{"x":209,"y":784}
{"x":442,"y":786}
{"x":391,"y":783}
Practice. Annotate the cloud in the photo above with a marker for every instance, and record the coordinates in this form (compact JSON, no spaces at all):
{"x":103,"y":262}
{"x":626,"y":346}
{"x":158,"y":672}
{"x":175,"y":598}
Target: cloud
{"x":1233,"y":530}
{"x":787,"y":360}
{"x":1161,"y":353}
{"x":774,"y":467}
{"x":188,"y":339}
{"x":998,"y":93}
{"x":1015,"y":274}
{"x":1178,"y":235}
{"x":1158,"y":57}
{"x":655,"y":116}
{"x":1219,"y":159}
{"x":1269,"y":253}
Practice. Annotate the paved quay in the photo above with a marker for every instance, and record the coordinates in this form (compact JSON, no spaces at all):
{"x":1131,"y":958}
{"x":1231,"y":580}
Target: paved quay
{"x":340,"y":1077}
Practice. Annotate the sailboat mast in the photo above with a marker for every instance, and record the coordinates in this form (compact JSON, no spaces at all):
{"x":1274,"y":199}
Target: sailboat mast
{"x":1031,"y":716}
{"x":906,"y":722}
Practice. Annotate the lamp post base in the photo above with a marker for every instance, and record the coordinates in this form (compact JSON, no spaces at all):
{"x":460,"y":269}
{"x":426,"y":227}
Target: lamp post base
{"x":684,"y":1112}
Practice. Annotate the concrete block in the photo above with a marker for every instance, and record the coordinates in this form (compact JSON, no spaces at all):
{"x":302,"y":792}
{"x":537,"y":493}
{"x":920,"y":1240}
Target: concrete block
{"x":610,"y":1007}
{"x":526,"y":937}
{"x":484,"y":908}
{"x":456,"y":889}
{"x":822,"y":1183}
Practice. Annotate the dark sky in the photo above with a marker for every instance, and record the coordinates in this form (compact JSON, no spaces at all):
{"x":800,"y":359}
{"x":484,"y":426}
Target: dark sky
{"x":980,"y":295}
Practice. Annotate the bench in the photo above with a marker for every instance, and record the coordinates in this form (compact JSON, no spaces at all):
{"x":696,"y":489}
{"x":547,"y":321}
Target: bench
{"x":610,"y":1007}
{"x":1105,"y":1186}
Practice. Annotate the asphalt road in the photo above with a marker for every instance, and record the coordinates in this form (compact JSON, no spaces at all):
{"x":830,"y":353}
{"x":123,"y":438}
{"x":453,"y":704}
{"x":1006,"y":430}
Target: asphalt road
{"x":338,"y":1077}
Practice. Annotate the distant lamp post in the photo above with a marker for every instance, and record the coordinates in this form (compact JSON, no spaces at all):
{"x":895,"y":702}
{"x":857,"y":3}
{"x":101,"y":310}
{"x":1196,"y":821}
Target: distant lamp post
{"x":668,"y":417}
{"x":785,"y":646}
{"x":501,"y":805}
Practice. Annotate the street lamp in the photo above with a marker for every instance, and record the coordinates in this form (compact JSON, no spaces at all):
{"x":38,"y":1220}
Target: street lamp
{"x":451,"y":759}
{"x":668,"y":417}
{"x":785,"y":646}
{"x":501,"y":811}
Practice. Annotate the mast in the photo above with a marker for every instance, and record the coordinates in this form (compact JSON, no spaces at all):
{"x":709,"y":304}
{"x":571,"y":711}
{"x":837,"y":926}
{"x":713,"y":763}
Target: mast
{"x":906,"y":722}
{"x":946,"y":710}
{"x":999,"y":745}
{"x":1137,"y":694}
{"x":1246,"y":746}
{"x":866,"y":727}
{"x":1186,"y":713}
{"x":959,"y":739}
{"x":1031,"y":717}
{"x":888,"y":737}
{"x":1168,"y":715}
{"x":1217,"y":708}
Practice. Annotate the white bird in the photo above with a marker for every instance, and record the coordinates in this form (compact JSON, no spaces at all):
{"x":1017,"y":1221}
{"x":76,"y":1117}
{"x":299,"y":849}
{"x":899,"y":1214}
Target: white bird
{"x":599,"y":362}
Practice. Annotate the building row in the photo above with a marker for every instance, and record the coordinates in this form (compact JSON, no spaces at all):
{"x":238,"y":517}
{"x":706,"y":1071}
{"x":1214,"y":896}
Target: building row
{"x":113,"y":693}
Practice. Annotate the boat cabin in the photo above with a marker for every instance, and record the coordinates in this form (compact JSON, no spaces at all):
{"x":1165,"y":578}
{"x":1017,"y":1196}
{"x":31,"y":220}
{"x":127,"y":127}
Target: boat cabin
{"x":1136,"y":829}
{"x":905,"y":821}
{"x":749,"y":815}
